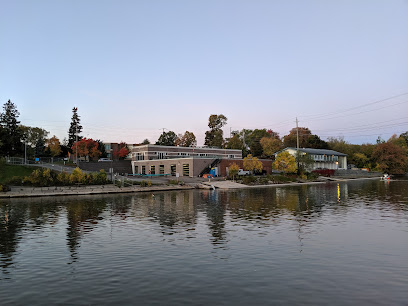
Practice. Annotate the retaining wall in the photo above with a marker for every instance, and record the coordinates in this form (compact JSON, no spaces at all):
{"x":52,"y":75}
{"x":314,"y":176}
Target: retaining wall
{"x":119,"y":166}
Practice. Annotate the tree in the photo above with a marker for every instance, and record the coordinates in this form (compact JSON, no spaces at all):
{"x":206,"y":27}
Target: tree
{"x":122,"y":151}
{"x":33,"y":136}
{"x":233,"y":170}
{"x":11,"y":135}
{"x":186,"y":140}
{"x":167,"y":139}
{"x":101,"y":148}
{"x":39,"y":148}
{"x":252,"y":164}
{"x":285,"y":162}
{"x":146,"y":141}
{"x":360,"y":160}
{"x":235,"y":142}
{"x":254,"y":141}
{"x":306,"y":139}
{"x":270,"y":145}
{"x":215,"y":136}
{"x":86,"y":148}
{"x":75,"y":128}
{"x":54,"y":146}
{"x":304,"y":161}
{"x":391,"y":158}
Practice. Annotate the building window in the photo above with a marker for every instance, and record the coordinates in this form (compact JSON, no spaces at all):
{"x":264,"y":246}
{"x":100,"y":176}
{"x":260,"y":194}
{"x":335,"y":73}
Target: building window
{"x":186,"y":170}
{"x":152,"y":169}
{"x":173,"y":170}
{"x":136,"y":169}
{"x":160,"y":155}
{"x":161,"y":169}
{"x":143,"y":169}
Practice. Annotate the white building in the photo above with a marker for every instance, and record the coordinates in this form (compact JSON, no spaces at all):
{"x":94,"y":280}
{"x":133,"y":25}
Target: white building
{"x":323,"y":159}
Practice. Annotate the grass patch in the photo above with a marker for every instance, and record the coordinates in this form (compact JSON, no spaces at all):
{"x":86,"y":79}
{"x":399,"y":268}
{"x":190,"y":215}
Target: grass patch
{"x":9,"y":171}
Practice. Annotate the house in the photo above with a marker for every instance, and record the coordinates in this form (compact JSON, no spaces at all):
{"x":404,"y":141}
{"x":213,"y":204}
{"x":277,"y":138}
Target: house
{"x":323,"y":159}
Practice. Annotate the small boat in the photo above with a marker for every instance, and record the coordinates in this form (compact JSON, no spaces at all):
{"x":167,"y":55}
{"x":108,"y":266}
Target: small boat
{"x":385,"y":177}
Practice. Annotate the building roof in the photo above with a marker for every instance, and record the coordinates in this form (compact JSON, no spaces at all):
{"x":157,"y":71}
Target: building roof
{"x":316,"y":151}
{"x":153,"y":146}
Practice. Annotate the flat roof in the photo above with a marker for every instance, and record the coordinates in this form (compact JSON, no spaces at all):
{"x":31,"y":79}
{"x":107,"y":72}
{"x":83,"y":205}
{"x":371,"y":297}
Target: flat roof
{"x":316,"y":151}
{"x":152,"y":146}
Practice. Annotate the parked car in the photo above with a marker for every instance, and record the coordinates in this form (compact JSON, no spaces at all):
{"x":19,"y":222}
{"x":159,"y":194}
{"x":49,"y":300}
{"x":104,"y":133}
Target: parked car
{"x":104,"y":160}
{"x":243,"y":172}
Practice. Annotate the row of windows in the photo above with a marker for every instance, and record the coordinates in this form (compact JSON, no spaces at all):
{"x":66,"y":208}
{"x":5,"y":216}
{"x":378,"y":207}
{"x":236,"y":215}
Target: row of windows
{"x":186,"y":170}
{"x":325,"y":157}
{"x":162,"y":155}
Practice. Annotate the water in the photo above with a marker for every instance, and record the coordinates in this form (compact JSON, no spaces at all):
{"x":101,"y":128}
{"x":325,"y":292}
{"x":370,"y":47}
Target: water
{"x":343,"y":244}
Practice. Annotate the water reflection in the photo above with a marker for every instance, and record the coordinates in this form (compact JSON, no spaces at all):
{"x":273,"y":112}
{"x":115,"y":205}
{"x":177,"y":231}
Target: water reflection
{"x":182,"y":212}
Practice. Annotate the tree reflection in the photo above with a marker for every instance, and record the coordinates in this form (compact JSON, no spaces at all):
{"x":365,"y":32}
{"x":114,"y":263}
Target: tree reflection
{"x":82,"y":217}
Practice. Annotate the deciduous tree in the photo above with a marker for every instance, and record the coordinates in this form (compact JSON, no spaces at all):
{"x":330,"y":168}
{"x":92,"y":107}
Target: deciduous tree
{"x":252,"y":164}
{"x":167,"y":139}
{"x":233,"y":170}
{"x":54,"y":146}
{"x":122,"y":151}
{"x":186,"y":140}
{"x":285,"y":162}
{"x":391,"y":158}
{"x":214,"y":137}
{"x":270,"y":145}
{"x":86,"y":148}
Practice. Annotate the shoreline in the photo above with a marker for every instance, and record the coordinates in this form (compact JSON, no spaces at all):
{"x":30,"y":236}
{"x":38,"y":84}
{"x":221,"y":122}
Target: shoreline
{"x":29,"y":192}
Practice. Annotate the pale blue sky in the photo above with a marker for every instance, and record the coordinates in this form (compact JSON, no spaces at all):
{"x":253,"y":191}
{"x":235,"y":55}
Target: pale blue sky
{"x":134,"y":67}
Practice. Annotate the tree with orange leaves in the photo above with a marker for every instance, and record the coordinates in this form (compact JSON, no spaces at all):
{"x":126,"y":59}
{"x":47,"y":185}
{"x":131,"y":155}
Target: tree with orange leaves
{"x":86,"y":147}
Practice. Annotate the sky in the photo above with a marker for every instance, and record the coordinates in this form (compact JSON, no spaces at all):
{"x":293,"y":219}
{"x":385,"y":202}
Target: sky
{"x":135,"y":67}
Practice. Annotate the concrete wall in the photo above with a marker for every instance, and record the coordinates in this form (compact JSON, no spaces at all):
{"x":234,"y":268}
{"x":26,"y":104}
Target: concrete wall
{"x":119,"y":166}
{"x":356,"y":173}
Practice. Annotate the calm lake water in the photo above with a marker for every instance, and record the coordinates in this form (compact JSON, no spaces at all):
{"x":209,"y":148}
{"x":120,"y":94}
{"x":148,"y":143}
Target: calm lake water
{"x":336,"y":243}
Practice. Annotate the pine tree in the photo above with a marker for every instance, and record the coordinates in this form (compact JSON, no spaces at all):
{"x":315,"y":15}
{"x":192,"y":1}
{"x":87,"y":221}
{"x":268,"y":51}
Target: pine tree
{"x":75,"y":128}
{"x":10,"y":133}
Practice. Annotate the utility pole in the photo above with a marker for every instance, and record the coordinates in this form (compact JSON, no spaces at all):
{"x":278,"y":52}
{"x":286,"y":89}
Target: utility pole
{"x":163,"y":129}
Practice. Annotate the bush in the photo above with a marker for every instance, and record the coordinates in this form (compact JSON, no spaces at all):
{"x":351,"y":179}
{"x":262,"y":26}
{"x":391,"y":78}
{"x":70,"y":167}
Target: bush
{"x":4,"y":188}
{"x":248,"y":180}
{"x":263,"y":181}
{"x":40,"y":178}
{"x":173,"y":182}
{"x":149,"y":183}
{"x":77,"y":176}
{"x":143,"y":184}
{"x":16,"y":181}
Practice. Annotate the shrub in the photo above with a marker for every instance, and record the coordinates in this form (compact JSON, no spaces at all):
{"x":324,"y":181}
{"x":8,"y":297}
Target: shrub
{"x":247,"y":180}
{"x":63,"y":179}
{"x":40,"y":178}
{"x":143,"y":184}
{"x":77,"y":176}
{"x":16,"y":181}
{"x":173,"y":182}
{"x":149,"y":183}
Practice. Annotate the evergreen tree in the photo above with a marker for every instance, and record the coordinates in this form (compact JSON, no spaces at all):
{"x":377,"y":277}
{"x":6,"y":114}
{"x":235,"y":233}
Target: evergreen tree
{"x":10,"y":133}
{"x":74,"y":128}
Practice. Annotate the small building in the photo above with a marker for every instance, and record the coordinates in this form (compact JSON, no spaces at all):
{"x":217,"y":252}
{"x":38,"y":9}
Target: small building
{"x":323,"y":159}
{"x":186,"y":161}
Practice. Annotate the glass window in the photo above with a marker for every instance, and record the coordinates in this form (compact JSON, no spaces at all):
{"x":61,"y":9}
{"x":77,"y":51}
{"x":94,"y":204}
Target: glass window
{"x":152,"y":169}
{"x":173,"y":170}
{"x":161,"y":169}
{"x":143,"y":169}
{"x":186,"y":170}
